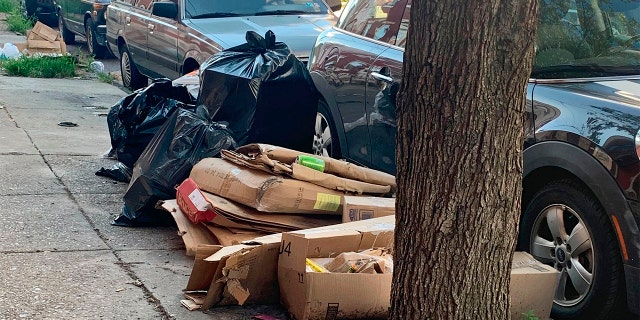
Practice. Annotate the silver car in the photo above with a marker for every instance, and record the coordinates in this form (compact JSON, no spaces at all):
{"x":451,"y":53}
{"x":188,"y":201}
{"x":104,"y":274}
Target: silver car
{"x":172,"y":38}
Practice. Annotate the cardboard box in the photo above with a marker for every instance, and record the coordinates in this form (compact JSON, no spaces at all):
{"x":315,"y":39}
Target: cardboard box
{"x":360,"y":208}
{"x":44,"y":40}
{"x":314,"y":295}
{"x":40,"y":31}
{"x":247,"y":273}
{"x":193,"y":203}
{"x":533,"y":286}
{"x":262,"y":191}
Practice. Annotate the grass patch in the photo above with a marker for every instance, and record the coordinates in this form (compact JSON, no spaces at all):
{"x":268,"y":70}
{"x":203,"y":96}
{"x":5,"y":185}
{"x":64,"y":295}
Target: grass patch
{"x":106,"y":77}
{"x":8,"y":5}
{"x":40,"y":66}
{"x":17,"y":22}
{"x":529,"y":316}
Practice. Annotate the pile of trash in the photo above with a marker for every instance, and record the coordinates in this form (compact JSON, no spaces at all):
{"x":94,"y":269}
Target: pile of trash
{"x":41,"y":40}
{"x":217,"y":153}
{"x":223,"y":153}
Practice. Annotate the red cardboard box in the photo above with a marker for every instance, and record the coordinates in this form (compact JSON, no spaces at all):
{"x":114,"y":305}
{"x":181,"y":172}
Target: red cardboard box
{"x":193,"y":203}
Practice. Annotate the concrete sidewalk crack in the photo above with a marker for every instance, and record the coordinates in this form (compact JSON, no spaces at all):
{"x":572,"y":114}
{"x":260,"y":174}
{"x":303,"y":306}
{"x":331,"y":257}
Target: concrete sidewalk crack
{"x":151,"y":299}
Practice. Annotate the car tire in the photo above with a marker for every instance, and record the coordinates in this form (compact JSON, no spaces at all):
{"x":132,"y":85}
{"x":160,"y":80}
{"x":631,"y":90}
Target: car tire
{"x":131,"y":77}
{"x":68,"y":36}
{"x":560,"y":216}
{"x":325,"y":138}
{"x":95,"y":49}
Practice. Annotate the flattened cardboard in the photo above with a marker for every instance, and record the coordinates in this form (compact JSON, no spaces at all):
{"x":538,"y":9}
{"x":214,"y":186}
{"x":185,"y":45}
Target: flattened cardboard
{"x":228,"y":238}
{"x":262,"y":191}
{"x":357,"y":208}
{"x":202,"y":272}
{"x":268,"y":222}
{"x":192,"y":234}
{"x":300,"y":172}
{"x":333,"y":166}
{"x":533,"y":285}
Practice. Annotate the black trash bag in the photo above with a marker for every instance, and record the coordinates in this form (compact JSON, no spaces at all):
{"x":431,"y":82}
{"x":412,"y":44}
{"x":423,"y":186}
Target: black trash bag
{"x":183,"y":140}
{"x":263,"y":91}
{"x":137,"y":117}
{"x":118,"y":172}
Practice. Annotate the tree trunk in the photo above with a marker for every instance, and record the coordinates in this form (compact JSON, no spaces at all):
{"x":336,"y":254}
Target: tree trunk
{"x":459,"y":155}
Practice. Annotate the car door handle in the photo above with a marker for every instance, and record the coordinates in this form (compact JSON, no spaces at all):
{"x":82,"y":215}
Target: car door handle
{"x":151,"y":27}
{"x":381,"y":77}
{"x":127,"y":20}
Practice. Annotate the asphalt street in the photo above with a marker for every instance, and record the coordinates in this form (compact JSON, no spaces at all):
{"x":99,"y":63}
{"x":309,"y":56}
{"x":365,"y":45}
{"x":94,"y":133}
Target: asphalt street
{"x":60,"y":258}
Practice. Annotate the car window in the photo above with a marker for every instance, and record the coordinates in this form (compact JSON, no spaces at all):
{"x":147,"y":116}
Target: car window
{"x":587,"y":38}
{"x":378,"y":20}
{"x":145,"y":4}
{"x":200,"y":9}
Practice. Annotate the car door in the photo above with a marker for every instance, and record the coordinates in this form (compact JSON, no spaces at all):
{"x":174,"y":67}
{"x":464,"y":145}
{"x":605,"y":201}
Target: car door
{"x":383,"y":81}
{"x":162,"y":45}
{"x":348,"y":66}
{"x":136,"y":21}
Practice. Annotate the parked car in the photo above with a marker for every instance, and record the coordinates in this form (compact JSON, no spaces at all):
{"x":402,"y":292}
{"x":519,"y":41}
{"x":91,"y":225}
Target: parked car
{"x":84,"y":18}
{"x":172,"y":38}
{"x":581,"y":209}
{"x":43,"y":10}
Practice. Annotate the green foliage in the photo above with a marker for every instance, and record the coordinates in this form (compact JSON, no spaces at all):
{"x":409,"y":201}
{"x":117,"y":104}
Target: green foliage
{"x":40,"y":66}
{"x":106,"y":77}
{"x":8,"y":5}
{"x":18,"y":23}
{"x":529,"y":316}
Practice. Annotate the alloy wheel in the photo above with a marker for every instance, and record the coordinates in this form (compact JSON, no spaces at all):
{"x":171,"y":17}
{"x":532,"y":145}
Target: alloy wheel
{"x":322,"y":136}
{"x":125,"y":66}
{"x":560,"y":238}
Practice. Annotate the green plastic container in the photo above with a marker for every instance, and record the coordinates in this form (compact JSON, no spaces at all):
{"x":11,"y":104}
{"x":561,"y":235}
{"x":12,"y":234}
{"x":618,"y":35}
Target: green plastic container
{"x":311,"y":162}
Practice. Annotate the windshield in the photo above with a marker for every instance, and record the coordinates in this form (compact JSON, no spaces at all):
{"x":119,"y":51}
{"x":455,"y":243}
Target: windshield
{"x":200,"y":9}
{"x":587,"y":38}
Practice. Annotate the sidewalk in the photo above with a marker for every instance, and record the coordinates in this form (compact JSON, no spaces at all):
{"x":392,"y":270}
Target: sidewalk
{"x":59,"y":256}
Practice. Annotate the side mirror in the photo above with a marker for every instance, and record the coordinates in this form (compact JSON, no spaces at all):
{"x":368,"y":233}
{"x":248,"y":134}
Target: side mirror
{"x":335,"y":5}
{"x":165,"y":9}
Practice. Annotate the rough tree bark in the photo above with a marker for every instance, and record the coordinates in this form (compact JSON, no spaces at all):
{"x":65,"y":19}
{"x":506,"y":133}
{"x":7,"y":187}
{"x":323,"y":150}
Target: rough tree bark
{"x":459,"y":154}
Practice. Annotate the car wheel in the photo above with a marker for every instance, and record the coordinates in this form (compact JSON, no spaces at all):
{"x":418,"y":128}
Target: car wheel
{"x":325,"y":139}
{"x":95,"y":49}
{"x":131,"y":77}
{"x":68,"y":36}
{"x":565,"y":227}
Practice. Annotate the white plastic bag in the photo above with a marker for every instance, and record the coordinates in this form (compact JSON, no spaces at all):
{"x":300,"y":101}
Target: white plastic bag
{"x":10,"y":51}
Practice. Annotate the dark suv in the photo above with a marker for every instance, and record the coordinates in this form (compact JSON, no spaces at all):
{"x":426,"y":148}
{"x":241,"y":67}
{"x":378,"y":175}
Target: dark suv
{"x":581,"y":192}
{"x":74,"y":17}
{"x":84,"y":18}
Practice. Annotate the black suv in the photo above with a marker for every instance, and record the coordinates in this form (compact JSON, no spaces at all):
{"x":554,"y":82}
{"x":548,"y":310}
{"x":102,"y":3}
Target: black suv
{"x":581,"y":192}
{"x":84,"y":18}
{"x":75,"y":17}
